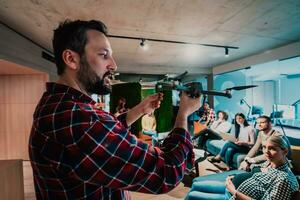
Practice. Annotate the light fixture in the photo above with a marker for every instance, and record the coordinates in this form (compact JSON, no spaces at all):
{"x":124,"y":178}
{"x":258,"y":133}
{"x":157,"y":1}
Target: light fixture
{"x":143,"y":44}
{"x":226,"y":52}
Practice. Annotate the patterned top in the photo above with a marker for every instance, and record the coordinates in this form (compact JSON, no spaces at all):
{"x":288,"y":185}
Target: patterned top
{"x":277,"y":183}
{"x":80,"y":152}
{"x":208,"y":116}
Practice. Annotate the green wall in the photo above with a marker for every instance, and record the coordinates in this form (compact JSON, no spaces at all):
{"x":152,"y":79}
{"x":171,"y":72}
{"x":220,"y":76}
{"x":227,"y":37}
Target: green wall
{"x":164,"y":115}
{"x":132,"y":93}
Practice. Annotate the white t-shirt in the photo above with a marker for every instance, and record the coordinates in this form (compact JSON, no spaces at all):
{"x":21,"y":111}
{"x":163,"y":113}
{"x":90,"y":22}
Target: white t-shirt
{"x":221,"y":126}
{"x":246,"y":134}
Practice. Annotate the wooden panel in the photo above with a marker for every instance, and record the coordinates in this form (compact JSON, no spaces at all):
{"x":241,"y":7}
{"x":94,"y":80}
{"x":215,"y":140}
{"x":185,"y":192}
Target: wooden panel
{"x":33,"y":88}
{"x":11,"y":181}
{"x":10,"y":68}
{"x":19,"y":96}
{"x":15,"y":117}
{"x":16,"y":89}
{"x":28,"y":181}
{"x":2,"y":93}
{"x":296,"y":158}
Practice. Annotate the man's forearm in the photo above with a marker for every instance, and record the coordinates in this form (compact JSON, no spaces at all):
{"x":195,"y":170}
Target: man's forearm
{"x":259,"y":158}
{"x":134,"y":114}
{"x":181,"y":121}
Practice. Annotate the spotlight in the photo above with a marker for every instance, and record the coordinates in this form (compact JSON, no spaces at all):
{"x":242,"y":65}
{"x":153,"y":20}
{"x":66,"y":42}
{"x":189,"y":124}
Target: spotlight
{"x":143,"y":44}
{"x":226,"y":52}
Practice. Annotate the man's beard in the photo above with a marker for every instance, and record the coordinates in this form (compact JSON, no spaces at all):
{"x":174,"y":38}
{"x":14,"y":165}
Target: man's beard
{"x":92,"y":83}
{"x":264,"y":129}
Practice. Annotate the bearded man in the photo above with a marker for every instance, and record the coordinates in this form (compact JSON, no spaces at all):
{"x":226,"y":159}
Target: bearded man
{"x":78,"y":151}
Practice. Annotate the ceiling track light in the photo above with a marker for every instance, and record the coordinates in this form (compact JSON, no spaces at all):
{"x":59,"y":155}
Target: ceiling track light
{"x":226,"y":52}
{"x":142,"y":43}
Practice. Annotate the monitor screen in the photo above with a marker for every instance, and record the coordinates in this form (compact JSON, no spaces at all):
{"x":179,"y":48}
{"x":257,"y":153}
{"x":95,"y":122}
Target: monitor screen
{"x":288,"y":111}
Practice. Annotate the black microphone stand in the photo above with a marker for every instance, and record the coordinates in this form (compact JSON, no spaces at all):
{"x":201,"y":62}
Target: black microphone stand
{"x":243,"y":101}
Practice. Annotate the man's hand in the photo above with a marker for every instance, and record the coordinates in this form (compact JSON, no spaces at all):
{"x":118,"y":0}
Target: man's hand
{"x":187,"y":106}
{"x":244,"y":166}
{"x":148,"y":105}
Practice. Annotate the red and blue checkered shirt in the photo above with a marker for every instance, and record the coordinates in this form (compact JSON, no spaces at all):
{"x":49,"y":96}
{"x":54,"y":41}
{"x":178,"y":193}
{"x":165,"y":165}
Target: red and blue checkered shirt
{"x":80,"y":152}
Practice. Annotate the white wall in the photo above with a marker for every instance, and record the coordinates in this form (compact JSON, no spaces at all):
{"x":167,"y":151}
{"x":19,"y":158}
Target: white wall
{"x":287,"y":51}
{"x":264,"y":95}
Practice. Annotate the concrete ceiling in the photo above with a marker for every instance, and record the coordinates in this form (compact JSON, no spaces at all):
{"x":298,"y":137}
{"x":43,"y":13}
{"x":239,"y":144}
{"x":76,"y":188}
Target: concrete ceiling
{"x":254,"y":26}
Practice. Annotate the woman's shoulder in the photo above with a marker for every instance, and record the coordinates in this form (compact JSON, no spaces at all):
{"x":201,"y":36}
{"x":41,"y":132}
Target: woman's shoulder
{"x":249,"y":128}
{"x":288,"y":177}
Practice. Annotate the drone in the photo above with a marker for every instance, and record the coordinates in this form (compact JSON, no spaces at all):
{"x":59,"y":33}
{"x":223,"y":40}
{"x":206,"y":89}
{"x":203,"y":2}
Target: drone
{"x":194,"y":89}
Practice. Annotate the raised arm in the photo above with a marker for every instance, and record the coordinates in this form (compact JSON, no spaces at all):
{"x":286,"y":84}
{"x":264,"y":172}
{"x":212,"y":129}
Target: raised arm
{"x":148,"y":105}
{"x":255,"y":148}
{"x":245,"y":164}
{"x":108,"y":155}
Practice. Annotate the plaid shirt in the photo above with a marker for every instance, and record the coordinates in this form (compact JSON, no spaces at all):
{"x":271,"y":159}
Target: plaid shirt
{"x":80,"y":152}
{"x":277,"y":183}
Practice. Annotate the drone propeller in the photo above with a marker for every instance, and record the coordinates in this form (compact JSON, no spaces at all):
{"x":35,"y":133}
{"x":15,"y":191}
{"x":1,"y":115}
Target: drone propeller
{"x":241,"y":87}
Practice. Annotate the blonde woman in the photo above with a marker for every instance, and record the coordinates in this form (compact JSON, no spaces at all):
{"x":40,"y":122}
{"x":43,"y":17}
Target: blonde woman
{"x":275,"y":181}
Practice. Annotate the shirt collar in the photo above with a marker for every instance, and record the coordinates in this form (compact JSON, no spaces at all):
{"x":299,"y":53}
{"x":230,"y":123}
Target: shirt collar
{"x":55,"y":88}
{"x":282,"y":167}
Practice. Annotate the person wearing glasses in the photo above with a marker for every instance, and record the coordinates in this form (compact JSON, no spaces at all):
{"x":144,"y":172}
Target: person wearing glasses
{"x":264,"y":125}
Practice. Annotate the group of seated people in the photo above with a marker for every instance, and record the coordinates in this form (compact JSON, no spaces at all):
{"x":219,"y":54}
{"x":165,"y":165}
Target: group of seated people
{"x":265,"y":171}
{"x":272,"y":179}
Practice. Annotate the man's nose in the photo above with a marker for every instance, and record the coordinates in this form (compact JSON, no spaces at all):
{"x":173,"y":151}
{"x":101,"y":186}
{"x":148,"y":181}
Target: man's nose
{"x":113,"y":66}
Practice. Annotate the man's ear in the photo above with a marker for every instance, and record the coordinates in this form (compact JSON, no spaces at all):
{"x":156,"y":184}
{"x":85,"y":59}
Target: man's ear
{"x":71,"y":59}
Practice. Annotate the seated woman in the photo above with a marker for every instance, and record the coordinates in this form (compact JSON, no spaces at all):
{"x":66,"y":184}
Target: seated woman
{"x":275,"y":181}
{"x":149,"y":126}
{"x":245,"y":139}
{"x":271,"y":180}
{"x":221,"y":125}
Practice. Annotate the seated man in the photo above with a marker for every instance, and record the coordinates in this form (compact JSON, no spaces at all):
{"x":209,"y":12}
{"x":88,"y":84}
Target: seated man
{"x":264,"y":125}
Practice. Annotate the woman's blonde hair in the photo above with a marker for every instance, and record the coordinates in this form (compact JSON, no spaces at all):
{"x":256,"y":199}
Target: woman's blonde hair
{"x":279,"y":141}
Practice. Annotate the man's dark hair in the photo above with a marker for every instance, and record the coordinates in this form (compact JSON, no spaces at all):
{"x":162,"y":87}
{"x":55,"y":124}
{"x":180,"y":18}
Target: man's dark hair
{"x":72,"y":35}
{"x":268,"y":119}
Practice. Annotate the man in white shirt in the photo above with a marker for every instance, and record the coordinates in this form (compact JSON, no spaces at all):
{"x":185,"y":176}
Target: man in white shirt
{"x":264,"y":125}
